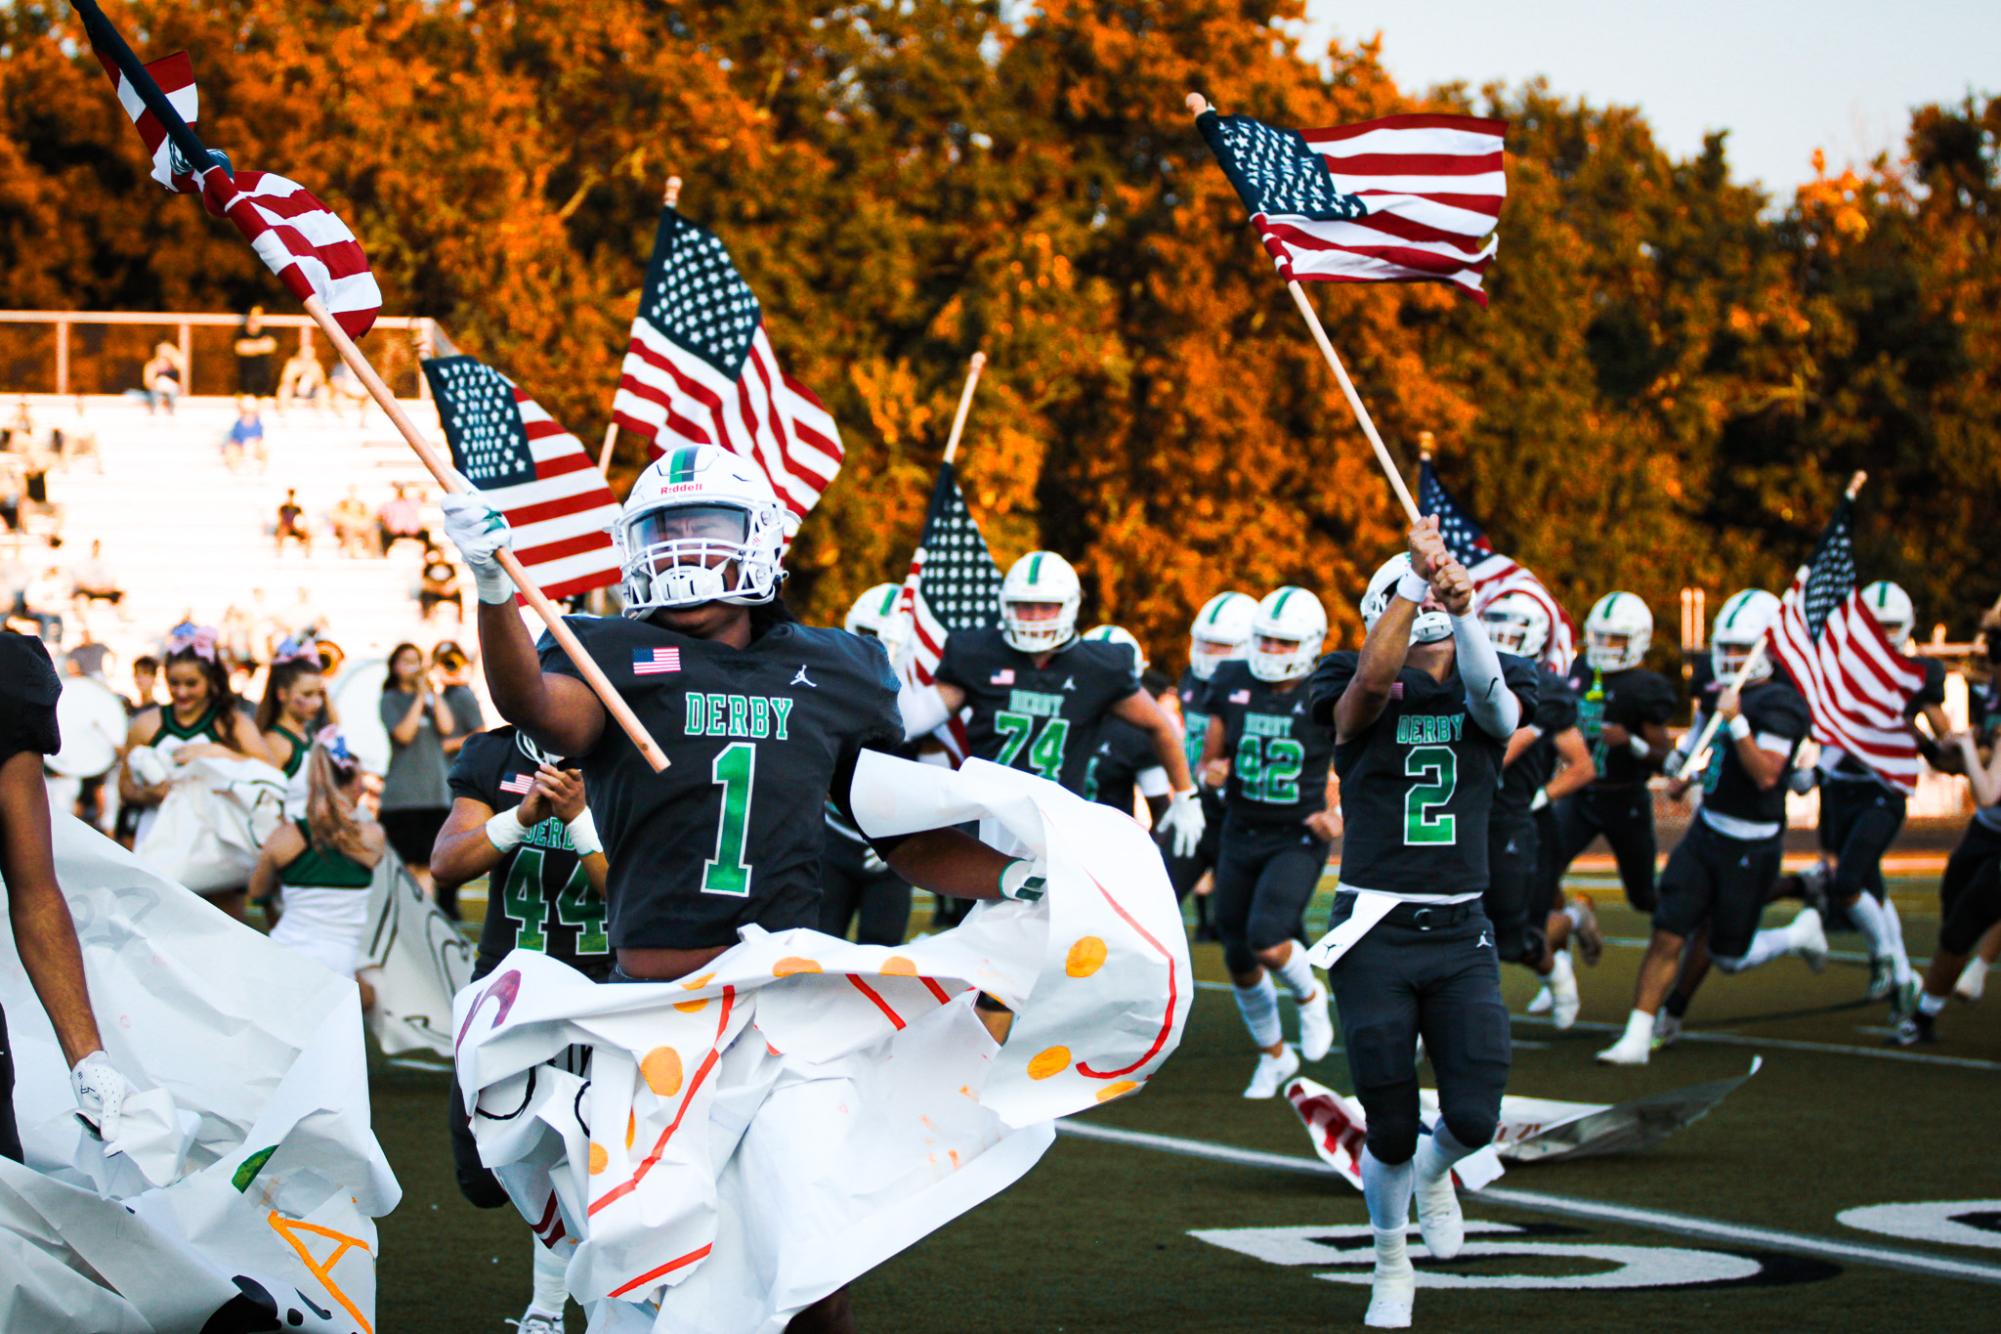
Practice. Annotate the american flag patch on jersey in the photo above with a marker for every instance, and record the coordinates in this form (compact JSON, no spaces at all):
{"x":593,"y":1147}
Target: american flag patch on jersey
{"x":655,"y":661}
{"x":1396,"y":690}
{"x":519,"y":784}
{"x":1003,"y":677}
{"x":1240,"y":696}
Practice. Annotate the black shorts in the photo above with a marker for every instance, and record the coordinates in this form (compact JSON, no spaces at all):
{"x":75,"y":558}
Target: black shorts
{"x":1513,"y":851}
{"x":849,"y":887}
{"x":1970,"y":893}
{"x":1858,"y":823}
{"x":1184,"y":872}
{"x":1265,"y":878}
{"x":414,"y":832}
{"x":1625,"y":816}
{"x":1720,"y":880}
{"x":1548,"y":874}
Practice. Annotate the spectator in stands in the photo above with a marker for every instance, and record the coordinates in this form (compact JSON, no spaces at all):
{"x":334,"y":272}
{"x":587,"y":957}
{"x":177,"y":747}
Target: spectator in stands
{"x":302,"y":380}
{"x":415,"y":798}
{"x":454,"y":672}
{"x":246,"y":434}
{"x":48,"y":598}
{"x":256,"y":353}
{"x":292,"y":523}
{"x":164,"y":377}
{"x":145,"y":678}
{"x":343,"y":388}
{"x":19,"y":433}
{"x":235,"y":632}
{"x":350,"y":519}
{"x":94,"y":580}
{"x":439,"y":585}
{"x":400,"y":519}
{"x":12,"y":492}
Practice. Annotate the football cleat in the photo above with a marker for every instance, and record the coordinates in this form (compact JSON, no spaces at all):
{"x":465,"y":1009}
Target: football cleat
{"x":1316,"y":1025}
{"x":1809,"y":939}
{"x":1634,"y":1045}
{"x":1590,"y":936}
{"x":1438,"y":1216}
{"x":533,"y":1321}
{"x":1919,"y":1027}
{"x":1904,"y":1002}
{"x":1667,"y":1030}
{"x":1972,"y":980}
{"x":1393,"y":1285}
{"x":1882,"y":978}
{"x":1271,"y":1074}
{"x":1541,"y":1002}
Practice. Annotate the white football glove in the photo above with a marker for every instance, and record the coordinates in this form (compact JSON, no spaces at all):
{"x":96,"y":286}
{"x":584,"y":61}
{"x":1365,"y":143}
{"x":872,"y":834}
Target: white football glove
{"x":1184,"y":821}
{"x":100,"y":1094}
{"x":1024,"y":881}
{"x":480,"y":531}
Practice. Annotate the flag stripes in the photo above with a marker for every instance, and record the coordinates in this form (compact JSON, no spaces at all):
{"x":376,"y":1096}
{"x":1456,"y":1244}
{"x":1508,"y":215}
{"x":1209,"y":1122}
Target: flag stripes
{"x":1494,"y":575}
{"x":176,"y":76}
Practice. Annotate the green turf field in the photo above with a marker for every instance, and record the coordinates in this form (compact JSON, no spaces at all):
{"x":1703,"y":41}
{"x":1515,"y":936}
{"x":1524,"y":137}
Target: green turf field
{"x":1732,"y":1223}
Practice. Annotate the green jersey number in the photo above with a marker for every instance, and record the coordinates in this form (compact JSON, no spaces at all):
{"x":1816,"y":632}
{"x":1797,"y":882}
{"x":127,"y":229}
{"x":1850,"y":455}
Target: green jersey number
{"x":734,"y":770}
{"x":1195,"y":732}
{"x":1267,"y":769}
{"x":1045,"y":748}
{"x":527,"y":906}
{"x":1425,"y":822}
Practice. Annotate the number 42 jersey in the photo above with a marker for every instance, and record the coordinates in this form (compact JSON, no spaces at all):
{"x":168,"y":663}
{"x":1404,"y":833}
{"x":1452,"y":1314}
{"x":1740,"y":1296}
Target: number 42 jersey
{"x":1278,"y":755}
{"x":1418,"y":787}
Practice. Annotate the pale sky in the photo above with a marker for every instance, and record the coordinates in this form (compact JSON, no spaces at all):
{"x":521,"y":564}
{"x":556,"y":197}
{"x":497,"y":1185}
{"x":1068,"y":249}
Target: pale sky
{"x":1783,"y":76}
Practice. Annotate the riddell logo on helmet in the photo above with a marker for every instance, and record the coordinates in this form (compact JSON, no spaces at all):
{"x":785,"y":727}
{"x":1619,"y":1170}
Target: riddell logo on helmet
{"x":680,"y":486}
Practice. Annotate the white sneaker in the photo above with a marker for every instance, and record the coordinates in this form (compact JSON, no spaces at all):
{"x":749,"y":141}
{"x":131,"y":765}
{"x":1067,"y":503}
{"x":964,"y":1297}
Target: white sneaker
{"x":1667,"y":1030}
{"x":1543,"y":1001}
{"x":1393,"y":1287}
{"x":1565,"y":1002}
{"x":533,"y":1321}
{"x":1271,"y":1074}
{"x":1809,"y":939}
{"x":1972,"y":980}
{"x":1438,"y":1218}
{"x":1316,"y":1025}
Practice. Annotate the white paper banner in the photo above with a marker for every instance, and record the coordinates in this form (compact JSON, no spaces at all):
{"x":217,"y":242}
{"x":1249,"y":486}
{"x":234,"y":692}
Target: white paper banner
{"x":416,"y":959}
{"x":206,"y":835}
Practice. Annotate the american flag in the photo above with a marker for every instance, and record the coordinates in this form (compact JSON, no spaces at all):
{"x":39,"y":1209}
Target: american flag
{"x":531,"y":470}
{"x":1494,"y":575}
{"x":175,"y":74}
{"x":1858,"y":686}
{"x":953,"y":582}
{"x":655,"y":661}
{"x":519,"y":784}
{"x":700,"y":371}
{"x":1401,"y":199}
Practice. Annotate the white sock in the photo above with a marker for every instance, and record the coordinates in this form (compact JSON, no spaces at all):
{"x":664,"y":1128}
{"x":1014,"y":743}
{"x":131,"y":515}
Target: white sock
{"x":1297,"y":973}
{"x":1639,"y":1028}
{"x":1561,"y":969}
{"x":1900,"y":958}
{"x":1930,"y":1004}
{"x":1867,"y":914}
{"x":1773,"y":942}
{"x":1575,"y":913}
{"x":1258,"y":1003}
{"x":550,"y":1290}
{"x":1386,"y":1190}
{"x":1437,"y":1152}
{"x":1975,"y":970}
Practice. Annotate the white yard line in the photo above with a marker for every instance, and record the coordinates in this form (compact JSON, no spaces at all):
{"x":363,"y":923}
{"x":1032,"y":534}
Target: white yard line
{"x":1567,"y":1206}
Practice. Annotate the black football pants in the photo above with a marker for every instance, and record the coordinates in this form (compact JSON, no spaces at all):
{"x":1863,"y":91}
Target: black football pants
{"x":1265,"y":878}
{"x":1858,"y":822}
{"x":1513,"y":854}
{"x":1625,"y":816}
{"x":848,"y":888}
{"x":1970,"y":893}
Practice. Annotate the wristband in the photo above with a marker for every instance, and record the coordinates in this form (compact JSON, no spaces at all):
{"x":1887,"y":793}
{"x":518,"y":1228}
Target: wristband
{"x":1540,"y":800}
{"x":504,"y":831}
{"x":1740,"y":727}
{"x":1638,"y":745}
{"x":584,"y":834}
{"x":1413,"y":587}
{"x":491,"y":583}
{"x":1019,"y":881}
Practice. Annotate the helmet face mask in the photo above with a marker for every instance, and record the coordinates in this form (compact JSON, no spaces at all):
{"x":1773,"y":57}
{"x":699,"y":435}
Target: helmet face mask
{"x":1740,"y":627}
{"x":1617,"y":633}
{"x":1039,"y":600}
{"x":1516,"y":623}
{"x":1287,"y":634}
{"x":1221,"y":633}
{"x":700,"y":526}
{"x":1431,"y":625}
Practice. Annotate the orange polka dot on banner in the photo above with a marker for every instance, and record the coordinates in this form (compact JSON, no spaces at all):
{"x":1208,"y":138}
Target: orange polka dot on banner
{"x":697,"y":983}
{"x":598,"y":1158}
{"x":898,"y":966}
{"x":692,"y":1007}
{"x":631,"y":1128}
{"x":1049,"y":1061}
{"x":661,"y":1069}
{"x":792,"y":964}
{"x":1118,"y":1090}
{"x":1086,"y":957}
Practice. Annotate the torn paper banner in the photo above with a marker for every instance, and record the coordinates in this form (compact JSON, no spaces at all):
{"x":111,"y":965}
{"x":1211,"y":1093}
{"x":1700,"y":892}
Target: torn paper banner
{"x":416,"y":959}
{"x":241,"y":1191}
{"x":754,"y":1137}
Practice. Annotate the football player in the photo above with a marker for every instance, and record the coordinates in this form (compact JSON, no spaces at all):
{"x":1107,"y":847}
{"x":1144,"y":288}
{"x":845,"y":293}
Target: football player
{"x":1422,"y":717}
{"x":1038,"y":693}
{"x":854,"y":881}
{"x":1985,"y":709}
{"x":1528,"y":929}
{"x":1123,"y":768}
{"x":1622,"y":710}
{"x":519,"y":818}
{"x":762,"y":718}
{"x":1222,"y":631}
{"x":1722,"y":872}
{"x":1277,"y":827}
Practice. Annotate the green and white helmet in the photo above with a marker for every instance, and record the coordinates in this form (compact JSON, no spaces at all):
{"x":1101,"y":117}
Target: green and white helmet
{"x":700,"y":525}
{"x":1222,"y":631}
{"x":1041,"y":578}
{"x":1740,"y":626}
{"x":874,"y":614}
{"x":1891,"y":606}
{"x":1617,"y":632}
{"x":1116,"y":634}
{"x":1427,"y":627}
{"x":1291,"y":617}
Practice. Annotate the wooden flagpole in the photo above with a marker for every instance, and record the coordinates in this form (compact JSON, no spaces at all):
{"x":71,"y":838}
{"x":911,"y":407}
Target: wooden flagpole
{"x":1198,"y":104}
{"x":669,"y":199}
{"x":440,"y":469}
{"x":1752,"y":662}
{"x":973,"y":369}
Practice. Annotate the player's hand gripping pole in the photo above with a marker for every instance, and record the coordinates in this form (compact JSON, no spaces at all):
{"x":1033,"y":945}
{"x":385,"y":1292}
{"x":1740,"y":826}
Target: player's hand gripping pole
{"x":441,"y":470}
{"x":973,"y":369}
{"x":1197,"y":104}
{"x":1752,"y":661}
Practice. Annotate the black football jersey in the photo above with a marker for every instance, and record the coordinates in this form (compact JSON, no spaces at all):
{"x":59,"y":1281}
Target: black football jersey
{"x":1555,"y":712}
{"x":1630,"y":698}
{"x":1278,"y":755}
{"x":758,"y":739}
{"x":1772,"y":709}
{"x":1418,"y":787}
{"x":1038,"y":719}
{"x":1111,"y":773}
{"x":538,"y":897}
{"x":1931,"y":692}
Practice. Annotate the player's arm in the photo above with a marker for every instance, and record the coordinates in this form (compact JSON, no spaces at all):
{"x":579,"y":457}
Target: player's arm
{"x":926,"y":708}
{"x":44,"y":932}
{"x":1763,"y":755}
{"x":563,"y":791}
{"x":1577,"y":768}
{"x":1519,"y":743}
{"x":946,"y":861}
{"x":1144,"y":712}
{"x":462,"y":851}
{"x":1216,"y":753}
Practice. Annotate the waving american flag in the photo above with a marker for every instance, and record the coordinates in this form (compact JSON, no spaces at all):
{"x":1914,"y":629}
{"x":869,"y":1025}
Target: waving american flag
{"x":1493,"y":574}
{"x":953,"y":582}
{"x":700,"y":370}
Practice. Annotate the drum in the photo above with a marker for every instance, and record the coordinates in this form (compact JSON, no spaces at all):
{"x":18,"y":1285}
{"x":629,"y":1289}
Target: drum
{"x":93,"y":722}
{"x":356,"y":697}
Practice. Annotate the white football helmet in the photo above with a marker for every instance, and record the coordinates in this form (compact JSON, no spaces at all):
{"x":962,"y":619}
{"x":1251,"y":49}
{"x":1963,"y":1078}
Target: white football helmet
{"x":1114,"y":634}
{"x":1518,"y":624}
{"x":1740,"y":625}
{"x":1891,"y":606}
{"x":874,"y":614}
{"x":1040,"y":578}
{"x":1222,"y":631}
{"x":1617,"y":632}
{"x":701,"y":525}
{"x":1430,"y":626}
{"x":1293,"y":616}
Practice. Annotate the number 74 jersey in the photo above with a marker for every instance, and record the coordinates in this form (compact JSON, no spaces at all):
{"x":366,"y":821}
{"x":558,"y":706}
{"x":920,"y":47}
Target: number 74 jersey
{"x":1278,"y":755}
{"x":1043,"y":720}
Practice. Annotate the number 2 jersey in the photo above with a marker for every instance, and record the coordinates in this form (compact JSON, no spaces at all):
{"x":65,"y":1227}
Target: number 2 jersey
{"x":538,"y":897}
{"x":1418,"y":786}
{"x":758,"y":739}
{"x":1278,"y":755}
{"x":1043,"y":720}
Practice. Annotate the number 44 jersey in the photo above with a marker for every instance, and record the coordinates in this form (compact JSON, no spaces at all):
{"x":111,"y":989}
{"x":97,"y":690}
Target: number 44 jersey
{"x":1418,"y":786}
{"x":1278,"y":755}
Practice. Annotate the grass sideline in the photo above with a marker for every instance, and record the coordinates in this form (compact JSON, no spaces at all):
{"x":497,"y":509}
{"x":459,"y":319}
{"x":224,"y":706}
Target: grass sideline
{"x":1098,"y":1236}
